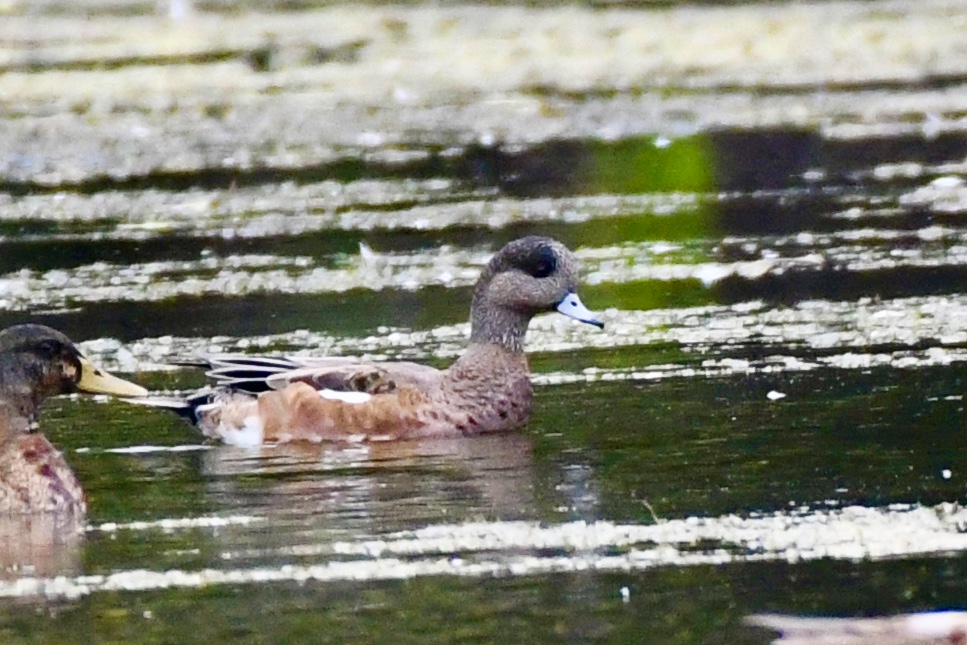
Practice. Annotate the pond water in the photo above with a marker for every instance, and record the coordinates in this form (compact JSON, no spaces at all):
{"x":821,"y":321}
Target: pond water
{"x":771,"y":421}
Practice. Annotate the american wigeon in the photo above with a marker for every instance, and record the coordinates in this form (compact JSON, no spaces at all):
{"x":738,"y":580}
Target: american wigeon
{"x":271,"y":399}
{"x":932,"y":627}
{"x":37,"y":362}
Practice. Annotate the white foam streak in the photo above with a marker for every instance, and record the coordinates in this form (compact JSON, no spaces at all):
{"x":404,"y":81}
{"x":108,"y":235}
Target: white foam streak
{"x":493,"y":548}
{"x":148,"y":449}
{"x":171,"y":524}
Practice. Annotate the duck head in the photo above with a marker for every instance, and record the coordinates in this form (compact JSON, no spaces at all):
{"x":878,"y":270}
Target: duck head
{"x":528,"y":276}
{"x":37,"y":361}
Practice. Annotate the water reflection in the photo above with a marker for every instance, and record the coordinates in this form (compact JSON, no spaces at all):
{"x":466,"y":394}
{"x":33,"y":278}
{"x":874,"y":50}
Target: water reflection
{"x":368,"y":489}
{"x":43,"y":545}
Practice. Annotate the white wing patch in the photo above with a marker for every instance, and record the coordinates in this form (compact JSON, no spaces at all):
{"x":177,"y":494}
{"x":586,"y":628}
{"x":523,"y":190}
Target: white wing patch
{"x":346,"y":397}
{"x":251,"y":433}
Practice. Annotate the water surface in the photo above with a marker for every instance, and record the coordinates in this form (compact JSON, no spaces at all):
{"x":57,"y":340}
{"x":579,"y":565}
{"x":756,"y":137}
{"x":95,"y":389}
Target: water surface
{"x":771,"y":421}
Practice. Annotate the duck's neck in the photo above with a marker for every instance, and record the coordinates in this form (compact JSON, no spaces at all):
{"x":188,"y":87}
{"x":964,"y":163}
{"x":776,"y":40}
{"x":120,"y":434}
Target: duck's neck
{"x":22,"y":389}
{"x":12,"y":423}
{"x":498,"y":326}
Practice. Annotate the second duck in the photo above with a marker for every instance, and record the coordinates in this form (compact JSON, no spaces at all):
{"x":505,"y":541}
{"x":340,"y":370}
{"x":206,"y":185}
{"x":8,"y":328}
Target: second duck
{"x":488,"y":389}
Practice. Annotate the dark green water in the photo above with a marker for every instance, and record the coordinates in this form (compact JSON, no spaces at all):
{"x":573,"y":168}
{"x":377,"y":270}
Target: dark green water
{"x":702,"y":447}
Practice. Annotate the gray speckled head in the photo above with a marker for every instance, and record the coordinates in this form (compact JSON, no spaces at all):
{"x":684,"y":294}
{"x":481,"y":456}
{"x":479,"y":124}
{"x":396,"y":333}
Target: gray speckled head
{"x":37,"y":362}
{"x":526,"y":277}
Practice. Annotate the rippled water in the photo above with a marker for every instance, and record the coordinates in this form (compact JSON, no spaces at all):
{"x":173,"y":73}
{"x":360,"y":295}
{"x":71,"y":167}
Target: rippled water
{"x":772,"y":420}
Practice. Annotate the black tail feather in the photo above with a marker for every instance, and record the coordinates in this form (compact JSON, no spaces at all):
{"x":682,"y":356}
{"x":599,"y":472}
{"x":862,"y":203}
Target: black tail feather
{"x":241,"y":371}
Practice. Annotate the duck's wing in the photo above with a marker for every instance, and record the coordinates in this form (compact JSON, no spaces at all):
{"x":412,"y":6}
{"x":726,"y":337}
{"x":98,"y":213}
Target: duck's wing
{"x":371,"y":378}
{"x":236,"y":407}
{"x":244,"y":376}
{"x":252,"y":373}
{"x":256,"y":374}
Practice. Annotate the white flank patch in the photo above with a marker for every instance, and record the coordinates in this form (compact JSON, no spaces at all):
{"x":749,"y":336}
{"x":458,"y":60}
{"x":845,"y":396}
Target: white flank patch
{"x":249,"y":435}
{"x":345,"y":397}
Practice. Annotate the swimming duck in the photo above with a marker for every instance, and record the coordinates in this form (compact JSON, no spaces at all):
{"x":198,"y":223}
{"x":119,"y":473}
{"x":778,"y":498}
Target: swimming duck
{"x":278,"y":399}
{"x":37,"y":362}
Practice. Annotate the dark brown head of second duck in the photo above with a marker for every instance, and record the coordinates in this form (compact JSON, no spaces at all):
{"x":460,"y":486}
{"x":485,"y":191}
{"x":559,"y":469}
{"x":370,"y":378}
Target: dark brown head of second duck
{"x":37,"y":362}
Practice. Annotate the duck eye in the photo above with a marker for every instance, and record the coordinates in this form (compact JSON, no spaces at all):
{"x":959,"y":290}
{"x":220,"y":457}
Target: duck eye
{"x":543,"y":263}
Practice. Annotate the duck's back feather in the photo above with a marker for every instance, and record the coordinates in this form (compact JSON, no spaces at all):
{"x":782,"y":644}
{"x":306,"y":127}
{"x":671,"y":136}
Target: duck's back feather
{"x":256,"y":374}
